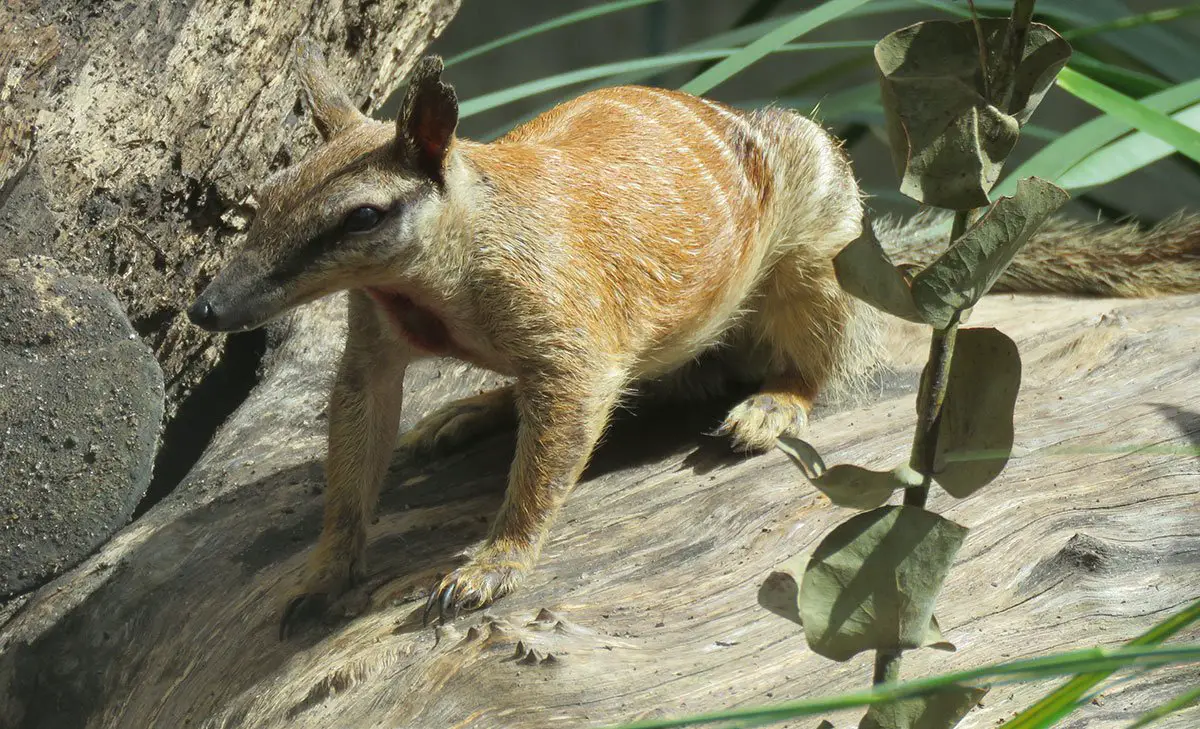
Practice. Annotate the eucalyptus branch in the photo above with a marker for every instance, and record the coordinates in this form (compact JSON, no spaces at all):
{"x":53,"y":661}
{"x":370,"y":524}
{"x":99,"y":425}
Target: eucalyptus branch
{"x":997,"y":86}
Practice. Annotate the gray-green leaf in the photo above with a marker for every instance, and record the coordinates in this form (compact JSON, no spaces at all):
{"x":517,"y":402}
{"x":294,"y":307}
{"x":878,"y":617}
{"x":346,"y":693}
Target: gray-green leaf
{"x":975,"y":433}
{"x":942,"y":710}
{"x":847,"y":485}
{"x":872,"y":582}
{"x":780,"y":594}
{"x":864,"y":271}
{"x":855,"y":487}
{"x":964,"y":273}
{"x":948,"y":141}
{"x":803,"y":455}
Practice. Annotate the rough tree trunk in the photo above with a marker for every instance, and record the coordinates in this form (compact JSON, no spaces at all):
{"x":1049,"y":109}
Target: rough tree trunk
{"x":645,"y":601}
{"x":132,"y":133}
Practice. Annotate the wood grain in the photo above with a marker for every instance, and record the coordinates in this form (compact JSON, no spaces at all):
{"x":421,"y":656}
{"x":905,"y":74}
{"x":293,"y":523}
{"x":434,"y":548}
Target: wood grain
{"x":645,"y":600}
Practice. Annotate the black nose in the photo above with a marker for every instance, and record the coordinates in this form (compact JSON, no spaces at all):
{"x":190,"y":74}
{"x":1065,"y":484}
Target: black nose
{"x":202,"y":314}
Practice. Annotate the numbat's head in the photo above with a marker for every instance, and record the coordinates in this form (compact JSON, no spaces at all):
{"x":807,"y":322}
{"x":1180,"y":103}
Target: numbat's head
{"x":350,"y":212}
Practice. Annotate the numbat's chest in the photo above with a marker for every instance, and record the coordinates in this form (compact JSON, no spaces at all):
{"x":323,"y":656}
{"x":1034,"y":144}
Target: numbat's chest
{"x":419,"y":326}
{"x":424,"y":329}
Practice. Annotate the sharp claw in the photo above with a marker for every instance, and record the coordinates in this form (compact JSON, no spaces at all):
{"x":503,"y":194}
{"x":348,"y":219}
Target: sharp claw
{"x":428,"y":607}
{"x":448,"y":602}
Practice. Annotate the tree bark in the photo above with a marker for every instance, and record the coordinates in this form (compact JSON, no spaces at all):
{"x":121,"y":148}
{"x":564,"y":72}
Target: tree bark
{"x":132,"y":135}
{"x":644,"y":603}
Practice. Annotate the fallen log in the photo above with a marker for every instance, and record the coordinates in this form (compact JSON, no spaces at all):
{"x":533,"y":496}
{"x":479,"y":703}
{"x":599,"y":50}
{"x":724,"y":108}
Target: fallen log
{"x":644,"y":603}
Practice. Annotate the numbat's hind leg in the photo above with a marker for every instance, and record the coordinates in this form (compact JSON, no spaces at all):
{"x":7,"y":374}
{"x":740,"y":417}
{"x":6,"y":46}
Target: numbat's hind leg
{"x":780,"y":408}
{"x":459,"y":423}
{"x":808,"y":335}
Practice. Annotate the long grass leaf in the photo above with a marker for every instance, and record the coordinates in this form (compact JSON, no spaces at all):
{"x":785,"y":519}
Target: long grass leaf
{"x":1131,"y":83}
{"x":1153,"y":17}
{"x":1063,"y":701}
{"x":1180,"y":702}
{"x":1073,"y":662}
{"x":561,"y":21}
{"x":1054,"y":160}
{"x":1154,"y":45}
{"x":724,"y":39}
{"x":1124,"y":156}
{"x":669,"y":60}
{"x":818,"y":16}
{"x":1138,"y":115}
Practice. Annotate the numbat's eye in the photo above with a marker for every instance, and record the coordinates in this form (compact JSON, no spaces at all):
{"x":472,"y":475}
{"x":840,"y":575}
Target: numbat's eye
{"x":360,"y":220}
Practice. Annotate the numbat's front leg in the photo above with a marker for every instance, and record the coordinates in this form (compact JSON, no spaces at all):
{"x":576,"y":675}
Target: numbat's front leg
{"x":364,"y":413}
{"x":560,"y":422}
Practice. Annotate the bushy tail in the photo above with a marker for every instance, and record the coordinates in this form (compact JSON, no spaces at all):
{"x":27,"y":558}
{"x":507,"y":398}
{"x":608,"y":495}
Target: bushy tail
{"x":1068,"y":257}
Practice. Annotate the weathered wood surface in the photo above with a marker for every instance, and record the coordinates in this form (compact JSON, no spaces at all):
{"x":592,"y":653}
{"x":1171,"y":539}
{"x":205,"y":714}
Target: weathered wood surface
{"x":645,"y":601}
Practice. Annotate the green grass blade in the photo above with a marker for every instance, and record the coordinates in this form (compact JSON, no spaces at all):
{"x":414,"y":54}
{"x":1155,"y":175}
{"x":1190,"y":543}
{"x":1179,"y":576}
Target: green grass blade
{"x":1132,"y":83}
{"x":818,"y":16}
{"x":824,"y":76}
{"x":1125,"y":156}
{"x":724,"y":39}
{"x":669,"y":60}
{"x":1063,"y":701}
{"x":1180,"y":702}
{"x":1154,"y":45}
{"x":1053,"y":161}
{"x":757,"y":12}
{"x":554,"y":23}
{"x":1133,"y":21}
{"x":1144,"y":118}
{"x":1090,"y":660}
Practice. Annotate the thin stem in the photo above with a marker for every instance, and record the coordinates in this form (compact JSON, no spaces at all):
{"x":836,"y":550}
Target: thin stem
{"x":979,"y":39}
{"x":932,"y":391}
{"x":887,"y":667}
{"x":1011,"y":51}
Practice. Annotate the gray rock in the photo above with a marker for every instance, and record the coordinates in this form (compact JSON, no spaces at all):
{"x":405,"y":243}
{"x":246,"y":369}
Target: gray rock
{"x":81,"y":403}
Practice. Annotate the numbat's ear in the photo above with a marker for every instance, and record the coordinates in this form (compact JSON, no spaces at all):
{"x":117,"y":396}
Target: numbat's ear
{"x":428,"y":118}
{"x":331,"y":108}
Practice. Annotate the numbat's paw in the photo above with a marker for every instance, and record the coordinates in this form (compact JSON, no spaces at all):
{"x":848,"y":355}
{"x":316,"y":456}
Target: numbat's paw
{"x":473,"y":586}
{"x":327,"y":594}
{"x":756,"y":422}
{"x":458,"y":424}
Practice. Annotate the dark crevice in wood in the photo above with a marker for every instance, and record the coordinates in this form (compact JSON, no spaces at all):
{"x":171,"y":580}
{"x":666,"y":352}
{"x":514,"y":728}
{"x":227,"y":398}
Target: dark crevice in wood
{"x":202,"y":412}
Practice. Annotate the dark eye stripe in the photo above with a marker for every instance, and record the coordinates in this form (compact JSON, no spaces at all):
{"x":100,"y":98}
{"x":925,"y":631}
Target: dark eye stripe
{"x":303,"y":255}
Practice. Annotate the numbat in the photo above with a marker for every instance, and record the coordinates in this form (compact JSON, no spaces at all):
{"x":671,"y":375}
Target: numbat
{"x":601,"y":247}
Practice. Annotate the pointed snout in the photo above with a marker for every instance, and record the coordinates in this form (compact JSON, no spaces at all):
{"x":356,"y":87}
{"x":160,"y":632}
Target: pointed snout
{"x":215,"y":316}
{"x":239,"y":299}
{"x":204,"y":315}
